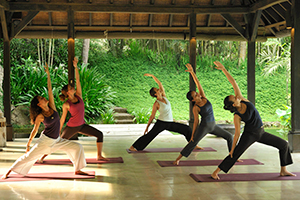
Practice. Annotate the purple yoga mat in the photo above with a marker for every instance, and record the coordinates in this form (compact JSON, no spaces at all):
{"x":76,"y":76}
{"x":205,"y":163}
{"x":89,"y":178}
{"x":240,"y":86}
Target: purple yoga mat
{"x":206,"y":163}
{"x":48,"y":176}
{"x":88,"y":161}
{"x":245,"y":177}
{"x":164,"y":150}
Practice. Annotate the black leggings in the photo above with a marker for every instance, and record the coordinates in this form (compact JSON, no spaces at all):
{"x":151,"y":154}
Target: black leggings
{"x":84,"y":129}
{"x":158,"y":127}
{"x":202,"y":129}
{"x":248,"y":138}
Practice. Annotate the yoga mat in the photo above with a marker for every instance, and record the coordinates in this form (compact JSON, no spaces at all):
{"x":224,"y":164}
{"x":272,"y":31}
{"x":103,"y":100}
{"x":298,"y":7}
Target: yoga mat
{"x":164,"y":150}
{"x":245,"y":177}
{"x":88,"y":161}
{"x":169,"y":163}
{"x":48,"y":176}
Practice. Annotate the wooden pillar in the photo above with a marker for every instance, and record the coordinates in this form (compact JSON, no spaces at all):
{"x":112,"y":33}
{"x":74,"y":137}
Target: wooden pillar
{"x":251,"y":72}
{"x":71,"y":53}
{"x":294,"y":134}
{"x":193,"y":45}
{"x":71,"y":46}
{"x":6,"y":90}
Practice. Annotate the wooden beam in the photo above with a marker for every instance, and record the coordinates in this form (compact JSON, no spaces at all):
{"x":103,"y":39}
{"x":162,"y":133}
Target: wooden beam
{"x":4,"y":4}
{"x":90,"y":19}
{"x":50,"y":18}
{"x":111,"y":19}
{"x":251,"y":72}
{"x":255,"y":25}
{"x":150,"y":20}
{"x":4,"y":25}
{"x":263,"y":4}
{"x":208,"y":20}
{"x":24,"y":23}
{"x":126,"y":8}
{"x":234,"y":24}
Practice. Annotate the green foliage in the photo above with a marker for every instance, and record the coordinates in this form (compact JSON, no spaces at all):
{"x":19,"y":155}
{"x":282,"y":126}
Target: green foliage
{"x":142,"y":116}
{"x":285,"y":117}
{"x":108,"y":117}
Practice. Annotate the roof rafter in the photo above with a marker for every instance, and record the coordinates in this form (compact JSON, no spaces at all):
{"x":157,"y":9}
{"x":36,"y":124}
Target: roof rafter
{"x":24,"y":22}
{"x":263,"y":4}
{"x":127,"y":8}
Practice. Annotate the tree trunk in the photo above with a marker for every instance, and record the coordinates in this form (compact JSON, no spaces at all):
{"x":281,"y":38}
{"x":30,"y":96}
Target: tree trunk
{"x":85,"y":50}
{"x":243,"y":50}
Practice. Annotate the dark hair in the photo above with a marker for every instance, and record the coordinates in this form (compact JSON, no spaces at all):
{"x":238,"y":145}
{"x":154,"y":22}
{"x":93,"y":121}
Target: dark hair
{"x":34,"y":110}
{"x":63,"y":97}
{"x":189,"y":97}
{"x":228,"y":105}
{"x":152,"y":92}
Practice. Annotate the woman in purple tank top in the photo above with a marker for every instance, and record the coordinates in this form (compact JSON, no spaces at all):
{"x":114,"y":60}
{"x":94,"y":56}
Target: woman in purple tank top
{"x":44,"y":111}
{"x":245,"y":111}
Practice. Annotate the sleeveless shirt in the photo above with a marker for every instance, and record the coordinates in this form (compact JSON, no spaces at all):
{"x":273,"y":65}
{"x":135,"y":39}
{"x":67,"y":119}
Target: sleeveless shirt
{"x":251,"y":117}
{"x":206,"y":112}
{"x":52,"y":125}
{"x":77,"y":113}
{"x":165,"y":111}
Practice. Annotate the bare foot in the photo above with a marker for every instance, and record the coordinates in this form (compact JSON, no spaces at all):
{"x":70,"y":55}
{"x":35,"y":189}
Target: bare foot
{"x":40,"y":161}
{"x":132,"y":149}
{"x":81,"y":173}
{"x":215,"y":176}
{"x":287,"y":173}
{"x":102,"y":158}
{"x":239,"y":160}
{"x":176,"y":162}
{"x":197,"y":147}
{"x":6,"y":175}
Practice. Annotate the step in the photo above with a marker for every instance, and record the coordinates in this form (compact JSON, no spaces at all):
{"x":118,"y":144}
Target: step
{"x":124,"y":121}
{"x":123,"y":116}
{"x":120,"y":110}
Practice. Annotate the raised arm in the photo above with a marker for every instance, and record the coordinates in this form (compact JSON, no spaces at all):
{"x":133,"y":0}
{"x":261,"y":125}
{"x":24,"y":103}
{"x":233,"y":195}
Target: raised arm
{"x":34,"y":131}
{"x":235,"y":86}
{"x":77,"y":77}
{"x":65,"y":109}
{"x":161,"y":88}
{"x":191,"y":70}
{"x":50,"y":93}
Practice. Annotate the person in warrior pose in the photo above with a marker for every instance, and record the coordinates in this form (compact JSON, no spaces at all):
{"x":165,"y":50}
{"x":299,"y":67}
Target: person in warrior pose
{"x":165,"y":119}
{"x":44,"y":111}
{"x":203,"y":107}
{"x":76,"y":124}
{"x":245,"y":111}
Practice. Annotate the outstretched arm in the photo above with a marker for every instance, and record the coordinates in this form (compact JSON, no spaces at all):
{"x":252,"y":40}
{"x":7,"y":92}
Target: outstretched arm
{"x":34,"y":131}
{"x":154,"y":109}
{"x":235,"y":86}
{"x":191,"y":70}
{"x":161,"y":88}
{"x":50,"y":93}
{"x":65,"y":109}
{"x":77,"y":77}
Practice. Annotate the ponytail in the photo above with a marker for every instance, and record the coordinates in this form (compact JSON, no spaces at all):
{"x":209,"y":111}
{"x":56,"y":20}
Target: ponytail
{"x":228,"y":105}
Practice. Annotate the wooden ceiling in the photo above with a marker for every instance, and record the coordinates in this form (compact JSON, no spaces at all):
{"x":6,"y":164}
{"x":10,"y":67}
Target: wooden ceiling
{"x":143,"y":19}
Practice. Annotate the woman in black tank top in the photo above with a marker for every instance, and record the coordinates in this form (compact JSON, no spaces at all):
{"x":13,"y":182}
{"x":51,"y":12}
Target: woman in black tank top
{"x":245,"y":111}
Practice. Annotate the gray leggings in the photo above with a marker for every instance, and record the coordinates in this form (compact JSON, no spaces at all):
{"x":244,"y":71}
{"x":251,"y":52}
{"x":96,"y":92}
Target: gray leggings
{"x":202,"y":129}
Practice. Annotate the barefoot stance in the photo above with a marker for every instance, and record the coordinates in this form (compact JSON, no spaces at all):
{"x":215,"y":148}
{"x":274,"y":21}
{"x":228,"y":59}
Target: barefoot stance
{"x":176,"y":162}
{"x":81,"y":173}
{"x":132,"y":149}
{"x":197,"y":147}
{"x":102,"y":158}
{"x":286,"y":173}
{"x":215,"y":176}
{"x":239,"y":160}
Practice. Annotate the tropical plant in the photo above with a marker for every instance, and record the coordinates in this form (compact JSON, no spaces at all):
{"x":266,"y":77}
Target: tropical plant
{"x":142,"y":116}
{"x":108,"y":117}
{"x":285,"y":117}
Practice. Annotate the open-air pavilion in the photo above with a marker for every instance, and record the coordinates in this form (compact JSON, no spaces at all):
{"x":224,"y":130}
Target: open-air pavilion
{"x":235,"y":20}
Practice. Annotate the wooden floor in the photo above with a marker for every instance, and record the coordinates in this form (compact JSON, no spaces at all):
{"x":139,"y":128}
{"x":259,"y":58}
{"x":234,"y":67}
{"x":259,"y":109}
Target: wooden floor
{"x":140,"y":177}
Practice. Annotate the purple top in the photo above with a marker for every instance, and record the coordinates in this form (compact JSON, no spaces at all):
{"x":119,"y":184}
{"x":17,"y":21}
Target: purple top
{"x":52,"y":125}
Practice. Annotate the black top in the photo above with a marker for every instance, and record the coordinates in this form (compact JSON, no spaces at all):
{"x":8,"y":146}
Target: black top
{"x":251,"y":117}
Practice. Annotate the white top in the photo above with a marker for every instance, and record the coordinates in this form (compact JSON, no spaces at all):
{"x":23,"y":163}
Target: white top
{"x":165,"y":111}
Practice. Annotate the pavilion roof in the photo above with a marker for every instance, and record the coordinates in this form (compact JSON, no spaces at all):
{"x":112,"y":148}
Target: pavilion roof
{"x":143,"y":19}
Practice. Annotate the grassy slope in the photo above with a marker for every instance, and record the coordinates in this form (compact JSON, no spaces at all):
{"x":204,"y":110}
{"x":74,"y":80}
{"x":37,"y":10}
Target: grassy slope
{"x":125,"y":76}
